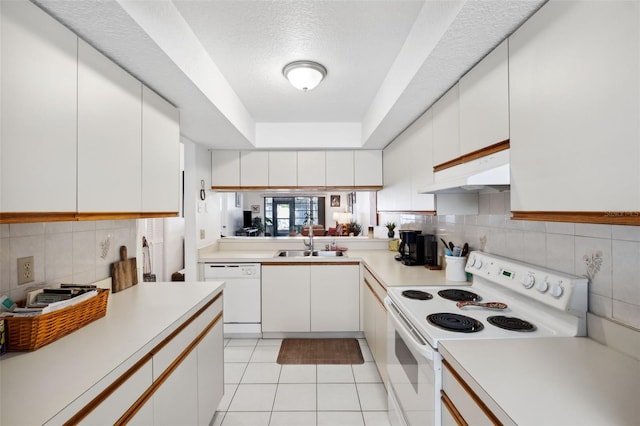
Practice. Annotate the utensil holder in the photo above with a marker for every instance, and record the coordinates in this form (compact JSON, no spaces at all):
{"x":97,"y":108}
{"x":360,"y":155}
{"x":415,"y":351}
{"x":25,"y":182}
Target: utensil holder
{"x":455,"y":268}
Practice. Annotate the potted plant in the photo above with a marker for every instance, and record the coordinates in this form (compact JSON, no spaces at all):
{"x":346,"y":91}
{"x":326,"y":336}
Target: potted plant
{"x":390,"y":227}
{"x":355,"y":228}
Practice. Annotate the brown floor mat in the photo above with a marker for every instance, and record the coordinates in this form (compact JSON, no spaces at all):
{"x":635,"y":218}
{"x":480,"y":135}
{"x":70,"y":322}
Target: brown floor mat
{"x":320,"y":351}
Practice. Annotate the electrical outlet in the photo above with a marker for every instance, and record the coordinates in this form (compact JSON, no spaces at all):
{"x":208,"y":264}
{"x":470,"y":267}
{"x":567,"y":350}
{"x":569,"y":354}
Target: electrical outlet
{"x":26,"y":272}
{"x":202,"y":234}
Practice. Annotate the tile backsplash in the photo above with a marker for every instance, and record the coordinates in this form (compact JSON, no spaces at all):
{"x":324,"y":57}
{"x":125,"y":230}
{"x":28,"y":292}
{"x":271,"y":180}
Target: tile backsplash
{"x":70,"y":252}
{"x":608,"y":254}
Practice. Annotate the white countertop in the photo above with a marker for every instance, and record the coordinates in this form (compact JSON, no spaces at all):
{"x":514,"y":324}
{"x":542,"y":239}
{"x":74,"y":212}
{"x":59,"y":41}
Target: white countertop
{"x":37,"y":385}
{"x":550,"y":381}
{"x":381,"y":263}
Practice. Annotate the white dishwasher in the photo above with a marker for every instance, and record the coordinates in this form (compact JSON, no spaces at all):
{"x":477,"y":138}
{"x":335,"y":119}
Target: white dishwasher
{"x":242,"y":297}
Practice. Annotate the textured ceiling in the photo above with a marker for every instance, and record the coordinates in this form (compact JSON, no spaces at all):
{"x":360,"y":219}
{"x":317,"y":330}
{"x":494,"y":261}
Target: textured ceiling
{"x":220,"y":61}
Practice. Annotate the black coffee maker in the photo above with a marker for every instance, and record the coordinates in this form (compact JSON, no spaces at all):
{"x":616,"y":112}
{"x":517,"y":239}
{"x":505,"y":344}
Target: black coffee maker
{"x":417,"y":249}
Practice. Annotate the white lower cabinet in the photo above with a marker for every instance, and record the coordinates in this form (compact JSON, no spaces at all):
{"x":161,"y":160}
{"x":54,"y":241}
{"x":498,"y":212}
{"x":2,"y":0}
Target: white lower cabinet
{"x":286,"y":295}
{"x":112,"y":408}
{"x":460,"y":405}
{"x":310,"y":298}
{"x":176,"y":401}
{"x":210,"y":370}
{"x":375,"y":321}
{"x":335,"y":298}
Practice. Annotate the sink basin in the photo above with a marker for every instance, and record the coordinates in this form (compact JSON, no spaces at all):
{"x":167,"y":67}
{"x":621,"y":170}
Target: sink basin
{"x":307,"y":253}
{"x":293,"y":253}
{"x":329,"y":253}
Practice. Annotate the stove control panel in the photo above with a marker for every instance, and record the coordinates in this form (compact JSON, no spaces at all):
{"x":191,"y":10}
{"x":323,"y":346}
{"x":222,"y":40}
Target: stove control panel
{"x":553,"y":288}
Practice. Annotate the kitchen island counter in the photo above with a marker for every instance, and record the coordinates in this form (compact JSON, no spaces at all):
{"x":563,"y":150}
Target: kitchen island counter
{"x":36,"y":385}
{"x":549,"y":381}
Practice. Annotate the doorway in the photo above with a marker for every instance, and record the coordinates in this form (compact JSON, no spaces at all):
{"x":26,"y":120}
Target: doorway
{"x":283,"y":216}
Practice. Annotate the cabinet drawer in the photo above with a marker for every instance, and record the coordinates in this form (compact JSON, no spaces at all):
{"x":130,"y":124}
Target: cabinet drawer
{"x":470,"y":408}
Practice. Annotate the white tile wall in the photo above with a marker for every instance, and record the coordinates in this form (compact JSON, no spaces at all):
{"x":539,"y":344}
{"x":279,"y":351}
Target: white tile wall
{"x":612,"y":251}
{"x":62,"y":251}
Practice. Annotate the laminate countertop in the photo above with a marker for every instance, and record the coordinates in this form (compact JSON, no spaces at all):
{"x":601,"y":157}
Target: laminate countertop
{"x":550,"y":381}
{"x":381,"y":263}
{"x":36,"y":385}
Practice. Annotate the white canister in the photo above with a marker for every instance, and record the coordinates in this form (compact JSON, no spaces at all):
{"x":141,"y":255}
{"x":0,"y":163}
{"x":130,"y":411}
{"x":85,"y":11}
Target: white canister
{"x":455,"y":268}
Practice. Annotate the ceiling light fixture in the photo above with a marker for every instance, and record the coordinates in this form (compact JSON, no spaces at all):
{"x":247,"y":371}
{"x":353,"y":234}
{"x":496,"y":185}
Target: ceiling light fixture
{"x":304,"y":75}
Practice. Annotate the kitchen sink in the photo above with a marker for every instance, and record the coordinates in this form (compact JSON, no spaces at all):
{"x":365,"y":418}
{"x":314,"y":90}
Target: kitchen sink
{"x":307,"y":253}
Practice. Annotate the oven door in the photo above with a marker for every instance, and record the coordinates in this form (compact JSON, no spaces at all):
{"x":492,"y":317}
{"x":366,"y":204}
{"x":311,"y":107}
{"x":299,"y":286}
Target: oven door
{"x":414,"y":370}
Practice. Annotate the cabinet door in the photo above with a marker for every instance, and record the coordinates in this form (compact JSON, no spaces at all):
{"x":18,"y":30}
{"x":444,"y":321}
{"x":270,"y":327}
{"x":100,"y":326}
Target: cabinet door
{"x":367,"y":168}
{"x":210,"y":374}
{"x":38,"y":137}
{"x":112,"y":408}
{"x":418,"y":153}
{"x":283,"y":169}
{"x":254,"y":168}
{"x":369,"y":318}
{"x":573,"y":77}
{"x":286,"y":294}
{"x":335,"y":298}
{"x":160,"y":154}
{"x":109,"y":135}
{"x":484,"y":102}
{"x":311,"y":168}
{"x":446,"y":121}
{"x":396,"y":193}
{"x":381,"y":341}
{"x":225,"y":169}
{"x":339,"y":168}
{"x":176,"y":401}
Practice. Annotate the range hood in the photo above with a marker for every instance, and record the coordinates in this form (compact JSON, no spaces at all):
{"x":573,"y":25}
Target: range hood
{"x":489,"y":172}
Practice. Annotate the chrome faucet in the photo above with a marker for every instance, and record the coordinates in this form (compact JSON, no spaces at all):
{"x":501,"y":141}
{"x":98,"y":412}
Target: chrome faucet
{"x":310,"y":243}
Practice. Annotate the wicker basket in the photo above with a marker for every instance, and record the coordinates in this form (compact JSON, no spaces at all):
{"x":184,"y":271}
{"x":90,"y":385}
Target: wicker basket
{"x":31,"y":333}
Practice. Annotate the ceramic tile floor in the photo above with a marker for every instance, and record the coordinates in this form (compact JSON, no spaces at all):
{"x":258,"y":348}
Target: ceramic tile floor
{"x":260,"y":392}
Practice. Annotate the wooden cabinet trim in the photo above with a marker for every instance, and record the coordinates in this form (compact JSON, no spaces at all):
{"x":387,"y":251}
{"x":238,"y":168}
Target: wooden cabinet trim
{"x":448,"y":404}
{"x":487,"y":412}
{"x":31,"y":217}
{"x":102,"y":396}
{"x":474,"y":155}
{"x":319,"y":263}
{"x":605,"y":217}
{"x":416,"y":212}
{"x":380,"y":302}
{"x":294,"y":188}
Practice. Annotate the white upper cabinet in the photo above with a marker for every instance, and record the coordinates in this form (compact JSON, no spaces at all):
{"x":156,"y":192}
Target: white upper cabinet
{"x":39,"y":111}
{"x":311,"y":168}
{"x":484,"y":102}
{"x":574,"y":96}
{"x":283,"y":168}
{"x":446,"y":124}
{"x":160,"y":154}
{"x":419,"y":153}
{"x":254,"y":168}
{"x":225,"y":169}
{"x":367,"y":168}
{"x":339,"y":168}
{"x":109,"y":135}
{"x":407,"y":167}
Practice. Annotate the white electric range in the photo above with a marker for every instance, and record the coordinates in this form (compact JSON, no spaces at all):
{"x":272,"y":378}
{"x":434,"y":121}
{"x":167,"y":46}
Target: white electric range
{"x":539,"y":303}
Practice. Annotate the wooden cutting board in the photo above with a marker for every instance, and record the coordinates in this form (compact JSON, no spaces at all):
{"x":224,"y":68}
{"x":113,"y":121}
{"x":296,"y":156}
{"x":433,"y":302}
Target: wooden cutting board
{"x":124,"y":273}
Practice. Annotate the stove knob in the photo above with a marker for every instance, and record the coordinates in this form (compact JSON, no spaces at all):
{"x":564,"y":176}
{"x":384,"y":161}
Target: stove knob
{"x":556,"y":290}
{"x":528,"y":281}
{"x":471,"y":261}
{"x":478,"y":263}
{"x":542,"y":286}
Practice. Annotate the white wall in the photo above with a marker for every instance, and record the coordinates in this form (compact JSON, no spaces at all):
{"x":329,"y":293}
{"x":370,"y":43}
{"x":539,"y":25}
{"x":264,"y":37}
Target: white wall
{"x":64,"y":252}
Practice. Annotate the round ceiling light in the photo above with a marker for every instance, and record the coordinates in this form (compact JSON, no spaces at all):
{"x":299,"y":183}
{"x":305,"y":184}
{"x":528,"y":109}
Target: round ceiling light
{"x":304,"y":75}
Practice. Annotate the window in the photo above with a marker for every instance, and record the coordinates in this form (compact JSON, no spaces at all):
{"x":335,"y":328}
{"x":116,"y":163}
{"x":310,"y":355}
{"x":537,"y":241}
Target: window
{"x":289,"y":214}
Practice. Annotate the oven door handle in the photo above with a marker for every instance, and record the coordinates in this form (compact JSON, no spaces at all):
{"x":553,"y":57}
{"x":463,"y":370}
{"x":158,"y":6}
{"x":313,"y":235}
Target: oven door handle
{"x":407,"y":331}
